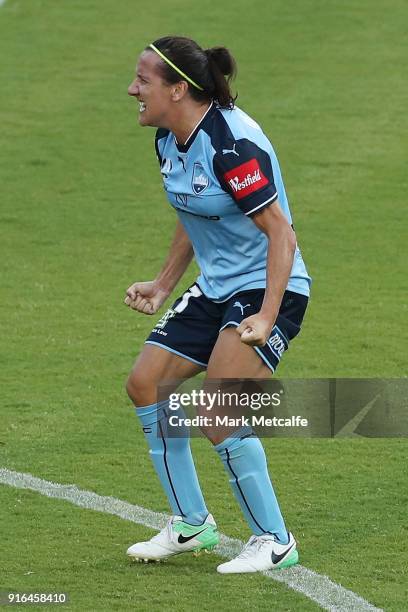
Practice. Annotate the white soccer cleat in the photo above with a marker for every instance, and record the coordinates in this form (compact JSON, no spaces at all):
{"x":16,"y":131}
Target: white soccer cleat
{"x":262,"y":553}
{"x":177,"y":537}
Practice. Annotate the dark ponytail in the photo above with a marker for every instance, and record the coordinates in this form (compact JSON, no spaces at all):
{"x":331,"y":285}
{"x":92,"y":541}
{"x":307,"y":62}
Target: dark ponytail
{"x":223,"y":70}
{"x":212,"y":69}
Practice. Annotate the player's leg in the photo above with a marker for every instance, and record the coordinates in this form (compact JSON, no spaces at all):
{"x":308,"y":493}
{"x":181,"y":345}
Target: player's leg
{"x":244,"y":460}
{"x":155,"y":366}
{"x":178,"y":348}
{"x":243,"y":455}
{"x":191,"y":526}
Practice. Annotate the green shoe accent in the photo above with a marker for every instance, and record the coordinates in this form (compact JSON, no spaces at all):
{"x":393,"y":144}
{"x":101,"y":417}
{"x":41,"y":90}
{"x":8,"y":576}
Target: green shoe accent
{"x":291,"y":560}
{"x":186,"y":529}
{"x":208,"y":537}
{"x":205,"y":548}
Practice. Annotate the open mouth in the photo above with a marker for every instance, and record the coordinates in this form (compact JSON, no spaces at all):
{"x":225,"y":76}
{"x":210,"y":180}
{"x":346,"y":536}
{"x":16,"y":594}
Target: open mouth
{"x":142,"y":107}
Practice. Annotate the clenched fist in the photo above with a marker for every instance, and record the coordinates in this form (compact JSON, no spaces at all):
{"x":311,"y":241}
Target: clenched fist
{"x":255,"y":330}
{"x":145,"y":297}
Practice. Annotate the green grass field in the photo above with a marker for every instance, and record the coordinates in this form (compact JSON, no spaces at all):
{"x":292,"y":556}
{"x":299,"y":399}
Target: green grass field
{"x":83,"y":215}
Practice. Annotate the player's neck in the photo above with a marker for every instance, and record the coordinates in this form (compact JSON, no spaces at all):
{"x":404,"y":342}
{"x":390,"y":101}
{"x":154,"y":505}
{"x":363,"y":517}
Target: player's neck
{"x":187,"y":119}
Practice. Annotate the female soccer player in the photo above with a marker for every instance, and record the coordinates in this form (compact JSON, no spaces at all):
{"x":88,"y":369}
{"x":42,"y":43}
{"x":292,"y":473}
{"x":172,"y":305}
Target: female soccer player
{"x":222,"y":177}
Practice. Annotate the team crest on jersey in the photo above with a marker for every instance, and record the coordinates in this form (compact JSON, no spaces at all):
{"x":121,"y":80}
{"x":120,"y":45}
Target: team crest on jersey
{"x":200,"y":179}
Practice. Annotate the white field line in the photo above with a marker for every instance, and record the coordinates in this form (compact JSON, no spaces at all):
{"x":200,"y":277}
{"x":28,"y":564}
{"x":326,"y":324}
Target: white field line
{"x":318,"y":588}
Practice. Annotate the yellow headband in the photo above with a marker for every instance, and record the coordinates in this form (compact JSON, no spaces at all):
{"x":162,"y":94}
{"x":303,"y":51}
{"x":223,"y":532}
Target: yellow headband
{"x":170,"y":63}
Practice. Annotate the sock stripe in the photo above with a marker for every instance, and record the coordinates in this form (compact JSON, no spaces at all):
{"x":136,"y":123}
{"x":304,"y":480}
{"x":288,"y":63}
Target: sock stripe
{"x":167,"y":469}
{"x":242,"y":493}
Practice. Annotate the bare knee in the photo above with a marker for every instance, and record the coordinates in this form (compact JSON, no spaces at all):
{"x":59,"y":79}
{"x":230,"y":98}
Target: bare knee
{"x":213,"y":435}
{"x":153,"y":367}
{"x":140,"y":388}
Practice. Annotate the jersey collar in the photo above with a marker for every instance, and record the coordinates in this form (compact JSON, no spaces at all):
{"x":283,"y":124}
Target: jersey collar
{"x":183,"y":148}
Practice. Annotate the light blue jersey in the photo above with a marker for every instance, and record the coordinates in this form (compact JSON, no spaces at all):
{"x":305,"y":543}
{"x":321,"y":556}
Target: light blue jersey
{"x":225,"y":173}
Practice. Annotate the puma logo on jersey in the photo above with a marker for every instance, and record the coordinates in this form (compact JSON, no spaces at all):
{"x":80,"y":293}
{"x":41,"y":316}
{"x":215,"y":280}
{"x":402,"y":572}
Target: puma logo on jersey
{"x":166,"y":167}
{"x":239,"y":305}
{"x":233,"y":151}
{"x":181,"y":160}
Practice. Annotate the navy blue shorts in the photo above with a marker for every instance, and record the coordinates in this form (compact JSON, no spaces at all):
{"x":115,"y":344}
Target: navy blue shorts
{"x":191,"y":326}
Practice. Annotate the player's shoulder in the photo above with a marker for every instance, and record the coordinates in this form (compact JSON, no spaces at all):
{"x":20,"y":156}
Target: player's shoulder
{"x":234,"y":125}
{"x":241,"y":124}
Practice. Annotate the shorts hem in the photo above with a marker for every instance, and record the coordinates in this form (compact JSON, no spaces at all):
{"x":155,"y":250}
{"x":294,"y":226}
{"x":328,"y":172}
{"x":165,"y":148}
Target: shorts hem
{"x":172,"y":350}
{"x":284,"y":336}
{"x":256,"y":348}
{"x":229,"y":323}
{"x":264,"y":359}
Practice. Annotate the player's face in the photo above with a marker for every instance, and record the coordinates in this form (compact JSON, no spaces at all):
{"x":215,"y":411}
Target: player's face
{"x":151,"y":91}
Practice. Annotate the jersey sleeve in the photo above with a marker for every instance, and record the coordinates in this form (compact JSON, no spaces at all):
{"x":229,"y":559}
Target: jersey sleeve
{"x":244,"y":170}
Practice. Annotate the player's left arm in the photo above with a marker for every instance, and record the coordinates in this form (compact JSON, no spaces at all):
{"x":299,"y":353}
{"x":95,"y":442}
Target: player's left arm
{"x":244,"y":170}
{"x":255,"y":330}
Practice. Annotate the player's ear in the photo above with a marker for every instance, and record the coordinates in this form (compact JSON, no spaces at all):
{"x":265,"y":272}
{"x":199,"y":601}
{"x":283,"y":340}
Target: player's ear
{"x":178,"y":91}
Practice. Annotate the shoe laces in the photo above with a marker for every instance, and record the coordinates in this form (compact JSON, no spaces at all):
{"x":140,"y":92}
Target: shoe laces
{"x":166,"y":531}
{"x":254,"y":545}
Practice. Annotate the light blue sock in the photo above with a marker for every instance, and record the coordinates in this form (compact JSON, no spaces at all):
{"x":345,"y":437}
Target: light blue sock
{"x":174,"y":463}
{"x":244,"y":459}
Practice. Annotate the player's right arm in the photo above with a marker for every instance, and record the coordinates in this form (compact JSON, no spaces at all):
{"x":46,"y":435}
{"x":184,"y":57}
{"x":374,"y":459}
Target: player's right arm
{"x":148,"y":297}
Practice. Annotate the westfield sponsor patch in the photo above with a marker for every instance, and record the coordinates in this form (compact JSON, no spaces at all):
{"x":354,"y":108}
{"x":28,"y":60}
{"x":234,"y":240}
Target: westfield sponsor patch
{"x":246,"y":178}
